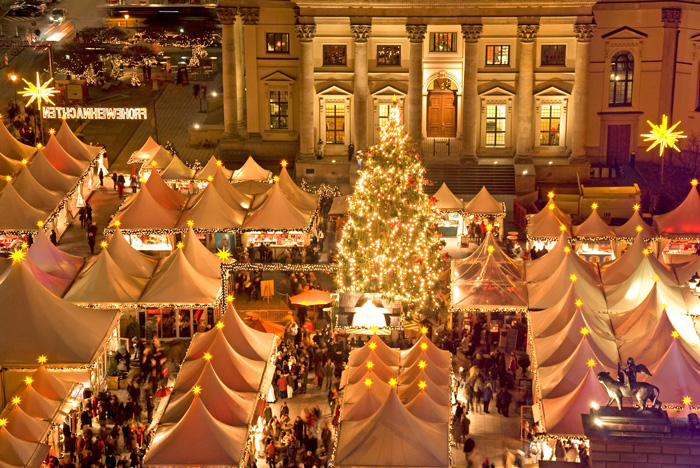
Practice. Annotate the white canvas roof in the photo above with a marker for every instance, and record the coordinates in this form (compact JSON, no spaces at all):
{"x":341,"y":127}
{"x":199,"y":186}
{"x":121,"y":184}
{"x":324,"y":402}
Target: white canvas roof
{"x":491,"y":287}
{"x":461,"y":268}
{"x":250,"y":170}
{"x":49,"y":176}
{"x":133,"y":262}
{"x":66,"y":333}
{"x":180,"y":283}
{"x":546,"y":293}
{"x":551,"y":321}
{"x":35,"y":404}
{"x":54,"y":284}
{"x":445,"y":200}
{"x":439,"y":393}
{"x":380,"y":352}
{"x":236,"y":372}
{"x":209,"y":170}
{"x":677,"y":374}
{"x":15,"y":451}
{"x":593,"y":226}
{"x":629,"y":229}
{"x":9,"y":166}
{"x":392,"y":437}
{"x":16,"y":213}
{"x":426,"y":409}
{"x":50,"y":386}
{"x":277,"y":212}
{"x":357,"y":392}
{"x":162,"y":159}
{"x":304,"y":201}
{"x":144,"y":212}
{"x":199,"y":257}
{"x":685,"y":219}
{"x":146,"y":152}
{"x":340,"y":205}
{"x":169,"y":198}
{"x":25,"y":427}
{"x":634,"y":290}
{"x":377,"y":371}
{"x":651,"y":348}
{"x":12,"y":148}
{"x":198,"y":439}
{"x":545,"y":266}
{"x":439,"y":375}
{"x":484,"y":204}
{"x":33,"y":193}
{"x":73,"y":145}
{"x":61,"y":159}
{"x":625,"y":265}
{"x":547,"y":225}
{"x":211,"y":212}
{"x":224,"y":354}
{"x":440,"y":357}
{"x":364,"y":400}
{"x":177,"y":170}
{"x":231,"y":195}
{"x":52,"y":260}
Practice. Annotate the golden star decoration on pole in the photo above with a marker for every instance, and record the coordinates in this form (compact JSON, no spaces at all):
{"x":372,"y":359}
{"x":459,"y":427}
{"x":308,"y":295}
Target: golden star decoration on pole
{"x":663,"y":136}
{"x":39,"y":92}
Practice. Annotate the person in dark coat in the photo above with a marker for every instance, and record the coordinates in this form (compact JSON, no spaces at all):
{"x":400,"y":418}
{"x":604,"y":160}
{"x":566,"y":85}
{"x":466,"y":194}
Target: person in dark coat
{"x":92,"y":237}
{"x":487,"y":397}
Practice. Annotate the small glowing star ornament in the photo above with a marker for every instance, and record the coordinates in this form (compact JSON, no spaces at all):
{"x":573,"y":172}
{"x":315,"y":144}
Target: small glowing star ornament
{"x":422,"y":384}
{"x":636,"y":207}
{"x":190,"y":223}
{"x":694,"y":182}
{"x":639,"y":229}
{"x":196,"y":389}
{"x":276,"y":178}
{"x":550,"y":194}
{"x":578,"y":302}
{"x":573,"y":277}
{"x":374,"y":330}
{"x":368,"y":382}
{"x":687,"y":400}
{"x":663,"y":136}
{"x":154,"y":163}
{"x":210,"y":178}
{"x":219,"y":163}
{"x":229,"y":298}
{"x":489,"y":227}
{"x":562,"y":227}
{"x":179,"y":245}
{"x":8,"y":178}
{"x":42,"y":359}
{"x":219,"y":325}
{"x":490,"y":249}
{"x":372,"y":346}
{"x":3,"y":422}
{"x":591,"y":363}
{"x":207,"y":356}
{"x":52,"y":131}
{"x":103,"y":244}
{"x":28,"y":380}
{"x":675,"y":334}
{"x":567,"y":249}
{"x":656,"y":277}
{"x":422,"y":364}
{"x":18,"y":255}
{"x":24,"y":161}
{"x":39,"y":92}
{"x":551,"y":206}
{"x":370,"y":364}
{"x":284,"y":163}
{"x":224,"y":255}
{"x":424,"y":330}
{"x":392,"y":382}
{"x":584,"y":331}
{"x":16,"y":400}
{"x":594,"y":206}
{"x":117,"y":223}
{"x":646,"y":252}
{"x":40,"y":224}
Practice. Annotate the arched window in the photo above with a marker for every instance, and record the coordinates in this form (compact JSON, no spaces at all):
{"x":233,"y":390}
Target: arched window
{"x":621,"y":78}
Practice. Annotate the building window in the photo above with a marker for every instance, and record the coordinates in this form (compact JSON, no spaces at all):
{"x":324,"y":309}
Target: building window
{"x":279,"y":106}
{"x":335,"y":54}
{"x":497,"y":55}
{"x":335,"y":124}
{"x":443,"y":42}
{"x":553,"y":55}
{"x":383,"y":114}
{"x":277,"y":43}
{"x":389,"y":55}
{"x":550,"y":120}
{"x":495,"y":125}
{"x":621,"y":77}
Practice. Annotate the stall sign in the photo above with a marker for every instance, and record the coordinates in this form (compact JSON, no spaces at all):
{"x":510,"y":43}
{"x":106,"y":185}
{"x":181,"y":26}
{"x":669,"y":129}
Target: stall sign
{"x":95,"y":113}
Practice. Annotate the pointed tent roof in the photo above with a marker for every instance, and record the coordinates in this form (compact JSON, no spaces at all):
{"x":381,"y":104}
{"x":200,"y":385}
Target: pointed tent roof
{"x":426,"y":409}
{"x":622,"y":267}
{"x":446,"y":201}
{"x":629,"y":229}
{"x":415,"y":353}
{"x":304,"y":201}
{"x":492,"y":286}
{"x":236,"y":372}
{"x":9,"y":166}
{"x":677,"y":374}
{"x":16,"y":451}
{"x":459,"y":267}
{"x":144,"y":212}
{"x":68,"y":334}
{"x":650,"y":349}
{"x":54,"y":284}
{"x":49,"y":176}
{"x":250,"y":170}
{"x":381,"y":352}
{"x":162,"y":159}
{"x":33,"y":193}
{"x":253,"y":188}
{"x":563,"y":415}
{"x":50,"y":386}
{"x":685,"y":219}
{"x":439,"y":393}
{"x":104,"y":282}
{"x":379,"y":370}
{"x":277,"y":212}
{"x":231,"y":195}
{"x":553,"y":320}
{"x":133,"y":262}
{"x":210,"y":168}
{"x":439,"y":375}
{"x":73,"y":145}
{"x":180,"y":283}
{"x":631,"y":292}
{"x":211,"y":212}
{"x":253,"y":345}
{"x":542,"y":267}
{"x":593,"y":226}
{"x":198,"y":439}
{"x":639,"y":321}
{"x":35,"y":404}
{"x":61,"y":159}
{"x":25,"y":427}
{"x":547,"y":224}
{"x":16,"y":213}
{"x":484,"y":203}
{"x":202,"y":259}
{"x":366,"y":404}
{"x":12,"y":148}
{"x":547,"y":292}
{"x":392,"y":437}
{"x":146,"y":152}
{"x":177,"y":170}
{"x":356,"y":392}
{"x":52,"y":260}
{"x":167,"y":197}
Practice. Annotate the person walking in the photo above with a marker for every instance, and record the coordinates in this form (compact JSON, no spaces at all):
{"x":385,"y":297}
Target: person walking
{"x":271,"y":453}
{"x":82,"y":216}
{"x":88,"y":213}
{"x":329,"y":371}
{"x":487,"y":396}
{"x":114,"y":179}
{"x":468,"y":449}
{"x":101,"y":175}
{"x":351,"y":152}
{"x":53,"y":237}
{"x":134,"y":185}
{"x":321,"y":239}
{"x":457,"y":434}
{"x":92,"y":237}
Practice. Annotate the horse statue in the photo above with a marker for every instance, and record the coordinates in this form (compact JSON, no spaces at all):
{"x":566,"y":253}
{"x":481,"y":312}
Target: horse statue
{"x":641,"y":391}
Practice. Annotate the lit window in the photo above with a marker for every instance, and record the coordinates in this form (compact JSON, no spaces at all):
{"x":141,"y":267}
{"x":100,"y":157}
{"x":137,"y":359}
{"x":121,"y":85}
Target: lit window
{"x":383,"y":115}
{"x":335,"y":54}
{"x":443,"y":42}
{"x":277,"y":43}
{"x":621,"y":77}
{"x":335,"y":124}
{"x":550,"y":119}
{"x":497,"y":55}
{"x":279,"y":106}
{"x":389,"y":55}
{"x":495,"y":125}
{"x":553,"y":55}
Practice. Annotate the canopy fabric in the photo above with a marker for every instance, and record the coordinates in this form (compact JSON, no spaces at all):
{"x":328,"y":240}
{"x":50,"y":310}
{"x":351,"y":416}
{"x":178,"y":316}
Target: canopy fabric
{"x":547,"y":292}
{"x":61,"y":159}
{"x":356,"y":392}
{"x":366,"y":401}
{"x":48,"y":176}
{"x":253,"y":188}
{"x":629,"y":229}
{"x":250,"y":170}
{"x":159,"y":161}
{"x":9,"y":166}
{"x":177,"y":170}
{"x":547,"y":225}
{"x":144,"y":212}
{"x":651,"y":349}
{"x":425,"y":408}
{"x":68,"y":334}
{"x":224,"y":354}
{"x":340,"y":205}
{"x":685,"y":271}
{"x":50,"y":386}
{"x":677,"y":374}
{"x":381,"y":352}
{"x":304,"y":201}
{"x":425,"y":368}
{"x":484,"y":204}
{"x":104,"y":282}
{"x":209,"y":170}
{"x":684,"y":219}
{"x":10,"y":147}
{"x":236,"y":372}
{"x":33,"y":193}
{"x":491,"y":287}
{"x":17,"y":452}
{"x":211,"y":212}
{"x":133,"y":262}
{"x":446,"y":201}
{"x":54,"y":284}
{"x":439,"y":393}
{"x":277,"y":212}
{"x":35,"y":404}
{"x":146,"y":152}
{"x":312,"y":297}
{"x":16,"y":213}
{"x":624,"y":266}
{"x":377,"y":371}
{"x":167,"y":197}
{"x":180,"y":283}
{"x":198,"y":439}
{"x":593,"y":226}
{"x":229,"y":193}
{"x":440,"y":357}
{"x":23,"y":426}
{"x":52,"y":260}
{"x":631,"y":292}
{"x":74,"y":146}
{"x":392,"y":437}
{"x":489,"y":248}
{"x":562,"y":253}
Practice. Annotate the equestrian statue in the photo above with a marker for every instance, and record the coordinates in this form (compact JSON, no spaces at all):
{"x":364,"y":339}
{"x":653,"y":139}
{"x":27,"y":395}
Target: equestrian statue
{"x":627,"y":386}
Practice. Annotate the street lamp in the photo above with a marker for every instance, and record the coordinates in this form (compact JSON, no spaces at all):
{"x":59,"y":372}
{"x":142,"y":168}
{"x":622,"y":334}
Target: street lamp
{"x":13,"y":78}
{"x":694,"y":284}
{"x":126,"y":17}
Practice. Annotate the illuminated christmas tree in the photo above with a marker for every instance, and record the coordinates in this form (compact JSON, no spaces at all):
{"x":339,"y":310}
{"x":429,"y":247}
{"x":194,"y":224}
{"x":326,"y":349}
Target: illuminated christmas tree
{"x":391,"y":244}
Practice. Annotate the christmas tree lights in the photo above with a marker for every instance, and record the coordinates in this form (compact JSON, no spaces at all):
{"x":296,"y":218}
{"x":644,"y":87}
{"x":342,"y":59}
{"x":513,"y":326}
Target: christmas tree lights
{"x":391,"y":245}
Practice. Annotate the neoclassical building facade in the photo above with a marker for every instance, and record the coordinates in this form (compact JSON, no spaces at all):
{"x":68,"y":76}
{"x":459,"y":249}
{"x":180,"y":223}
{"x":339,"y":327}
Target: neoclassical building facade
{"x":543,"y":83}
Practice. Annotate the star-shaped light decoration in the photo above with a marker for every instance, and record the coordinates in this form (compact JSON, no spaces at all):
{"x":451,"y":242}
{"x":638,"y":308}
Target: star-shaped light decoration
{"x":369,"y":364}
{"x":219,"y":163}
{"x":675,"y":334}
{"x":687,"y":400}
{"x":196,"y":389}
{"x":578,"y":302}
{"x":224,"y":255}
{"x":207,"y":356}
{"x":154,"y":163}
{"x":422,"y":384}
{"x":374,"y":330}
{"x":694,"y":182}
{"x":489,"y":227}
{"x":52,"y":131}
{"x":550,"y":194}
{"x":190,"y":223}
{"x":663,"y":136}
{"x":656,"y":277}
{"x":422,"y":364}
{"x":636,"y":207}
{"x":276,"y":178}
{"x":368,"y":382}
{"x":284,"y":163}
{"x":594,"y":206}
{"x":219,"y":325}
{"x":42,"y":359}
{"x":584,"y":331}
{"x":639,"y":229}
{"x":103,"y":244}
{"x":372,"y":346}
{"x":18,"y":255}
{"x":424,"y":346}
{"x":551,"y":206}
{"x":392,"y":382}
{"x":567,"y":249}
{"x":3,"y":422}
{"x":16,"y":400}
{"x":210,"y":178}
{"x":646,"y":252}
{"x":424,"y":330}
{"x":229,"y":298}
{"x":117,"y":223}
{"x":24,"y":162}
{"x":591,"y":363}
{"x":573,"y":278}
{"x":490,"y":249}
{"x":562,"y":228}
{"x":8,"y":178}
{"x":28,"y":380}
{"x":39,"y":92}
{"x":180,"y":245}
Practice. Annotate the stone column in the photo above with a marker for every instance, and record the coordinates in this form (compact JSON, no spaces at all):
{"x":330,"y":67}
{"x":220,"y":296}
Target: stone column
{"x":250,"y":17}
{"x":526,"y":64}
{"x":227,"y":16}
{"x":240,"y":76}
{"x":306,"y":33}
{"x":360,"y":32}
{"x":672,"y":19}
{"x":413,"y":113}
{"x":584,"y":34}
{"x":470,"y":95}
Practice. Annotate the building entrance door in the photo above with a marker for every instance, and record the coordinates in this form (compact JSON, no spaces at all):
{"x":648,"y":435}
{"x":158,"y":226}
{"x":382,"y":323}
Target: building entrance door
{"x":619,"y":144}
{"x":442,"y":114}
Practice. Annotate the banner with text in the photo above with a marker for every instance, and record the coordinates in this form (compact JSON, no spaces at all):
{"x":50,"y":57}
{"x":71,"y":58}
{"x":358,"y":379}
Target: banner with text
{"x":95,"y":113}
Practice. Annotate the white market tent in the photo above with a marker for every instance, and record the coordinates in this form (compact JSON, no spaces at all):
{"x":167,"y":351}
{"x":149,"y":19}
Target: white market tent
{"x":634,"y":290}
{"x":61,"y":159}
{"x":16,"y":214}
{"x":546,"y":225}
{"x":10,"y":147}
{"x":624,"y":266}
{"x":9,"y":166}
{"x":159,"y":160}
{"x":133,"y":262}
{"x":677,"y":374}
{"x":145,"y":153}
{"x":492,"y":287}
{"x":210,"y":211}
{"x":375,"y":349}
{"x":483,"y":204}
{"x":304,"y":201}
{"x":376,"y":371}
{"x":35,"y":194}
{"x":427,"y":409}
{"x":489,"y":248}
{"x":366,"y":401}
{"x":440,"y":357}
{"x":543,"y":267}
{"x":446,"y":201}
{"x":551,"y":321}
{"x":629,"y":229}
{"x":209,"y":170}
{"x":52,"y":260}
{"x":684,"y":219}
{"x":49,"y":176}
{"x":231,"y":195}
{"x":547,"y":292}
{"x":24,"y":426}
{"x":17,"y":452}
{"x":167,"y":197}
{"x":425,"y":368}
{"x":250,"y":170}
{"x":277,"y":212}
{"x":593,"y":226}
{"x":145,"y":212}
{"x":177,"y":170}
{"x":74,"y":146}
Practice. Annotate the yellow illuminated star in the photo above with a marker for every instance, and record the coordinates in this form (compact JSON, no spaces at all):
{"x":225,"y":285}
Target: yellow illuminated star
{"x":3,"y":422}
{"x":550,"y":194}
{"x":687,"y":400}
{"x":646,"y":252}
{"x":578,"y":302}
{"x":117,"y":223}
{"x":663,"y":136}
{"x":368,"y":382}
{"x":219,"y":163}
{"x":551,"y":206}
{"x":636,"y":207}
{"x":372,"y":346}
{"x":28,"y":380}
{"x":424,"y":330}
{"x":224,"y":255}
{"x":567,"y":249}
{"x":422,"y":384}
{"x":207,"y":356}
{"x":196,"y":389}
{"x":179,"y":245}
{"x":374,"y":330}
{"x":42,"y":359}
{"x":424,"y":346}
{"x":103,"y":244}
{"x":219,"y":325}
{"x":154,"y":163}
{"x":24,"y":161}
{"x":210,"y":178}
{"x":490,"y":249}
{"x":284,"y":163}
{"x":16,"y":400}
{"x":52,"y":131}
{"x":694,"y":182}
{"x":573,"y":277}
{"x":489,"y":227}
{"x":562,"y":227}
{"x":656,"y":277}
{"x":422,"y":364}
{"x":591,"y":363}
{"x":8,"y":178}
{"x":39,"y":92}
{"x":584,"y":331}
{"x":190,"y":223}
{"x":18,"y":255}
{"x":392,"y":382}
{"x":229,"y":298}
{"x":40,"y":224}
{"x":675,"y":334}
{"x":370,"y":364}
{"x":639,"y":229}
{"x":276,"y":178}
{"x":594,"y":206}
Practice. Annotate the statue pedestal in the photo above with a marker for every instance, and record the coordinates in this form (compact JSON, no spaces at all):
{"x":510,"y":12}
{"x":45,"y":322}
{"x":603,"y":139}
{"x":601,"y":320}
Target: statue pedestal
{"x":628,"y":422}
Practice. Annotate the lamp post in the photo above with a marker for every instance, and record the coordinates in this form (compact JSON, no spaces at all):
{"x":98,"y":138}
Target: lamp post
{"x":126,"y":17}
{"x":13,"y":78}
{"x":694,"y":284}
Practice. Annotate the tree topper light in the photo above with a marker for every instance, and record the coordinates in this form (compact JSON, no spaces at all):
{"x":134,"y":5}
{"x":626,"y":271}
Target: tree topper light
{"x":663,"y":136}
{"x":38,"y":92}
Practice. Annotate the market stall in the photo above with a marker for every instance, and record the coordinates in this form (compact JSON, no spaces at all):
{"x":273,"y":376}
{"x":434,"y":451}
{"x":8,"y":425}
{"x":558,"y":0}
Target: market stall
{"x":450,"y":212}
{"x":595,"y":239}
{"x":679,"y":229}
{"x":484,"y":208}
{"x":251,"y":171}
